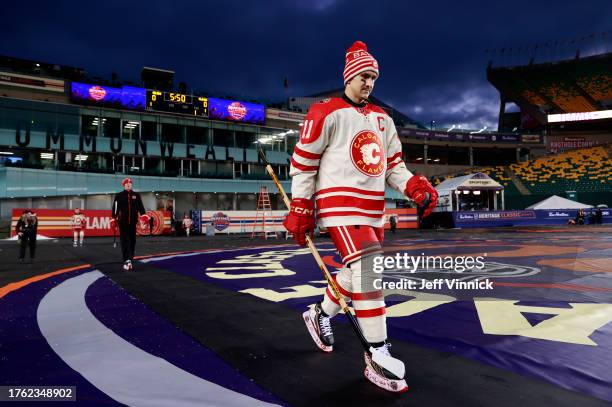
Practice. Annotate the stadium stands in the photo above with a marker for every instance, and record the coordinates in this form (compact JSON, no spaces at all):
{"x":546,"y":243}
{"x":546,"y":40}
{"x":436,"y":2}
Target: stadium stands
{"x":596,"y":79}
{"x":559,"y":87}
{"x":571,"y":86}
{"x":584,"y":170}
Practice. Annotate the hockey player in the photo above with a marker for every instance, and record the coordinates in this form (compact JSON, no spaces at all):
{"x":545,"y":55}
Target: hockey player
{"x":348,"y":150}
{"x":77,"y":221}
{"x":126,"y":212}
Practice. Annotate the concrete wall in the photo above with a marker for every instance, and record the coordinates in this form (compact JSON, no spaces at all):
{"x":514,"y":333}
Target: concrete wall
{"x":26,"y":182}
{"x":99,"y":201}
{"x":431,"y":170}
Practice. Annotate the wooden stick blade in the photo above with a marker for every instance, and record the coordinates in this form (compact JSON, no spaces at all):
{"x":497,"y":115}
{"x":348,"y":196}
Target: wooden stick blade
{"x":262,"y":155}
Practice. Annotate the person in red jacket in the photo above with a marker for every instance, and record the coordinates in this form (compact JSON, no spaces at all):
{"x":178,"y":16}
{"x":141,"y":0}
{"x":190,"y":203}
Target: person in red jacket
{"x":127,"y":211}
{"x":348,"y":152}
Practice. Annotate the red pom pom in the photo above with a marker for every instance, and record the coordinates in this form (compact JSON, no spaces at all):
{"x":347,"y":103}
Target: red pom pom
{"x":358,"y":46}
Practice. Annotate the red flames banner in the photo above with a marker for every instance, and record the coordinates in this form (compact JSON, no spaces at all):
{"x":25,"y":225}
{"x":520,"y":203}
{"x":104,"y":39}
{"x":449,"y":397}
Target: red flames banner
{"x":56,"y":222}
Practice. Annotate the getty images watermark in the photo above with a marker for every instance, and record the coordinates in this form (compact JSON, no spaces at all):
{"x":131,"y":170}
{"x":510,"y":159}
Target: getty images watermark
{"x":403,"y":271}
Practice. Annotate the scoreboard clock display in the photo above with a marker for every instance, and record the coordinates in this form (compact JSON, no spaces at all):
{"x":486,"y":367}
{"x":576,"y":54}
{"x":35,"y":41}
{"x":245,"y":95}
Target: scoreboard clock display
{"x":177,"y":103}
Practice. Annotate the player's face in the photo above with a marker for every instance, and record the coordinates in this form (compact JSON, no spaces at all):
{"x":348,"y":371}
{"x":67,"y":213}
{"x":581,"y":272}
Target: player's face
{"x":362,"y":85}
{"x":128,"y":186}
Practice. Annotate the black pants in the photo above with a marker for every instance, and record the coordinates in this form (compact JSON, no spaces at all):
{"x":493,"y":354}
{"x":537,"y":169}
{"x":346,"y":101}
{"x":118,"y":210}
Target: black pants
{"x":28,"y":239}
{"x":128,"y":240}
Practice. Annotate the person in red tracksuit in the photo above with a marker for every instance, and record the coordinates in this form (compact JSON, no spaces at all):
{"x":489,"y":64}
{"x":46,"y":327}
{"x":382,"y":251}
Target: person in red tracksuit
{"x":127,"y":211}
{"x":348,"y":152}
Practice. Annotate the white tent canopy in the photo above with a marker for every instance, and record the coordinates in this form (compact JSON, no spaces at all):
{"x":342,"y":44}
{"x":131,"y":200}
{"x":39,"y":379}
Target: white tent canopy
{"x":475,"y":191}
{"x":477,"y":180}
{"x":556,"y":202}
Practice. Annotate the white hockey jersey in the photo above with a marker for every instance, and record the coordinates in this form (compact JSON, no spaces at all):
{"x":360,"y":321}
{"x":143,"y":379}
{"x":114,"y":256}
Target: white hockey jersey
{"x":345,"y":156}
{"x":77,"y":221}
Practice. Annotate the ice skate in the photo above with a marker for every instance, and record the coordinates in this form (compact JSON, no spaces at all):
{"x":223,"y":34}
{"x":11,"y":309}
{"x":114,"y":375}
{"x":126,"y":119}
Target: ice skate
{"x":381,"y":377}
{"x":127,"y":265}
{"x":319,"y":327}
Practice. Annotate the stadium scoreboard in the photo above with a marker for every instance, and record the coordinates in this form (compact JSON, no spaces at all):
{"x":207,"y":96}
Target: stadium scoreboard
{"x":129,"y":97}
{"x":177,"y":103}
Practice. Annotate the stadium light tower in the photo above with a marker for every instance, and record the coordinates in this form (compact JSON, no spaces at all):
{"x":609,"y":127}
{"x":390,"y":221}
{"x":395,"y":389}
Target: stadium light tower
{"x":432,"y":125}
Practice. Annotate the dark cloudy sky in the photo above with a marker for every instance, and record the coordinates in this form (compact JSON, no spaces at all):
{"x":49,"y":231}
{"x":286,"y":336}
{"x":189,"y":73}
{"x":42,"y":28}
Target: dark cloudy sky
{"x":431,"y":53}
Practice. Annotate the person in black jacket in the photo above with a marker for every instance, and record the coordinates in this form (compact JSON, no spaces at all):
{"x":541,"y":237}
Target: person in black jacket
{"x":26,"y":229}
{"x":580,"y":217}
{"x":598,"y":216}
{"x":127,"y":211}
{"x":393,"y":223}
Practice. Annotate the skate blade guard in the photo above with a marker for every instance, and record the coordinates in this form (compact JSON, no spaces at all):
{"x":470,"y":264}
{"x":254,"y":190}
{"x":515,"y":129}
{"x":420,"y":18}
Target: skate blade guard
{"x":394,"y":386}
{"x":310,"y":324}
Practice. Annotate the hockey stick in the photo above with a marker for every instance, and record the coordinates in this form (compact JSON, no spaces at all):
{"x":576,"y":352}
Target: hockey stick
{"x":421,"y":208}
{"x":389,"y":363}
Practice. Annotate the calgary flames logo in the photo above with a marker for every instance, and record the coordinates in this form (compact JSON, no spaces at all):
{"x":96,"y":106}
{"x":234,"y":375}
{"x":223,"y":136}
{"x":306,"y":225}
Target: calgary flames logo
{"x":144,"y":228}
{"x":367,"y":153}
